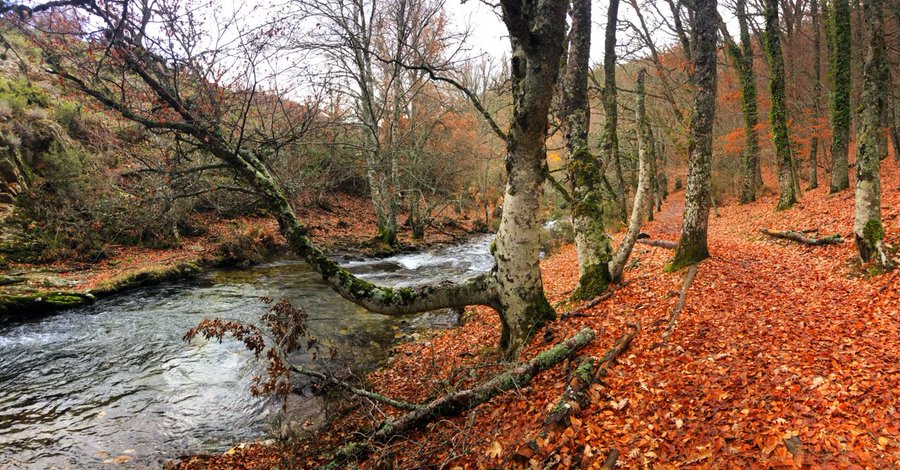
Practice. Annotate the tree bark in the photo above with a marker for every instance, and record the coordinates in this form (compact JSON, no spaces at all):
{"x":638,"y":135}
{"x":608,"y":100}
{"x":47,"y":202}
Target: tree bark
{"x":610,"y":142}
{"x":641,"y":196}
{"x":871,"y":145}
{"x":592,"y":244}
{"x":778,"y":110}
{"x":839,"y":74}
{"x":536,"y":31}
{"x":692,"y":245}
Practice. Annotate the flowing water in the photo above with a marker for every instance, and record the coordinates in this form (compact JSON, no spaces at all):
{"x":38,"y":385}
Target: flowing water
{"x":113,"y":383}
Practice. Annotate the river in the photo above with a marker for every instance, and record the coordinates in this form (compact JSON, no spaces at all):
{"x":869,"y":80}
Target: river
{"x":113,"y":382}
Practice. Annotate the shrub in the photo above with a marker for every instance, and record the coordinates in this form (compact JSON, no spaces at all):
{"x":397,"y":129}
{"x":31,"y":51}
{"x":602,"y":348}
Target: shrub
{"x":246,"y":244}
{"x":555,"y":234}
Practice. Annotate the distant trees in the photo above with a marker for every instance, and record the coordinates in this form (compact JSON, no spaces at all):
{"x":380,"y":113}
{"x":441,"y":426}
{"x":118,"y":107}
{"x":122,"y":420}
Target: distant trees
{"x":366,"y":44}
{"x":742,"y":58}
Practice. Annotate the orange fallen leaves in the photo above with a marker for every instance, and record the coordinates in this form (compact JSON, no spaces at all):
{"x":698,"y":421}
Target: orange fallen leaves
{"x":779,"y":343}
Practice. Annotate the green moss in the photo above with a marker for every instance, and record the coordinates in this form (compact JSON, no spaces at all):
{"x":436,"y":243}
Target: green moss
{"x":687,"y":255}
{"x":41,"y":302}
{"x":873,"y":232}
{"x":594,"y":282}
{"x":148,"y":277}
{"x":64,"y":300}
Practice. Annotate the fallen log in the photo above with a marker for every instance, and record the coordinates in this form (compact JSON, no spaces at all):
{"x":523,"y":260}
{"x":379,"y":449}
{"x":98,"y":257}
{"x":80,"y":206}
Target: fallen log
{"x":670,"y":245}
{"x":575,"y":397}
{"x":800,"y":237}
{"x":458,"y":402}
{"x":679,"y":306}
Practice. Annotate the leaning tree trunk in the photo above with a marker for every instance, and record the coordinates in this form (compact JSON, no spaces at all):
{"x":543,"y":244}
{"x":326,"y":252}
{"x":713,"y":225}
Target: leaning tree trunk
{"x":692,"y":246}
{"x":778,"y":110}
{"x":839,"y":73}
{"x":817,"y":96}
{"x":536,"y":32}
{"x":642,"y":202}
{"x":591,"y":242}
{"x":610,"y":141}
{"x":871,"y":145}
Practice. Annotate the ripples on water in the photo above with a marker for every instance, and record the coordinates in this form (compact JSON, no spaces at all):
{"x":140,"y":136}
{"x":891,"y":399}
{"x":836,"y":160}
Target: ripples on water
{"x":115,"y":382}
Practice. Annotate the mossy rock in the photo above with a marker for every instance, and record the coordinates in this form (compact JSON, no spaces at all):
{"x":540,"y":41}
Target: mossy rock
{"x":23,"y":305}
{"x":148,"y":277}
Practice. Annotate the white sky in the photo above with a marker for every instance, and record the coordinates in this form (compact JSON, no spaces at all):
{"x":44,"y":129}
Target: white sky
{"x":489,"y":34}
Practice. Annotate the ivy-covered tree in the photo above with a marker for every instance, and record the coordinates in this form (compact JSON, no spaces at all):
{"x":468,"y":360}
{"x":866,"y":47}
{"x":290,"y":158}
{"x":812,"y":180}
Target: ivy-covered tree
{"x":787,"y":178}
{"x":837,"y":27}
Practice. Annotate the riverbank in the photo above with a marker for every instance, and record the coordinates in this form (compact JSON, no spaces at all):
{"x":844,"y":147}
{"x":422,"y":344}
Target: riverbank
{"x":344,"y":227}
{"x":784,"y":356}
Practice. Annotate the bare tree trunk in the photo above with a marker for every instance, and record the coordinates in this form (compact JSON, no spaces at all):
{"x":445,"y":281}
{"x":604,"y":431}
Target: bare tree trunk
{"x":839,"y":72}
{"x":610,"y":142}
{"x":642,"y":203}
{"x":536,"y":31}
{"x":591,"y":242}
{"x":871,"y":145}
{"x":787,"y":177}
{"x":817,"y":94}
{"x":692,"y":246}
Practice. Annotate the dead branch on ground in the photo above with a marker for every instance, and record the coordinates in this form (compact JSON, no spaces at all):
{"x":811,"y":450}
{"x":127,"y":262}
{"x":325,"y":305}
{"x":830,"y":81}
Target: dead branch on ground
{"x":463,"y":400}
{"x":679,"y":306}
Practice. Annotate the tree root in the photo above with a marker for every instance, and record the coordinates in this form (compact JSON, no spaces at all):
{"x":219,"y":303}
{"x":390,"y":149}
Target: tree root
{"x":800,"y":237}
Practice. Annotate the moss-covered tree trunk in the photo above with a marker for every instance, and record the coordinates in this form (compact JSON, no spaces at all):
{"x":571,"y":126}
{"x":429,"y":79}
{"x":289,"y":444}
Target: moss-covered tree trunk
{"x":536,"y":32}
{"x":839,"y":74}
{"x":817,"y":95}
{"x":871,"y":145}
{"x":778,"y":111}
{"x":742,"y":57}
{"x":591,"y":242}
{"x":610,"y":139}
{"x":692,"y":245}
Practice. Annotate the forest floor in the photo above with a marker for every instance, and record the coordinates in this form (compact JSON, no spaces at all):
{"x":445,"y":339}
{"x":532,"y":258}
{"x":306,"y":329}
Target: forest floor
{"x":345,"y":225}
{"x":785,"y":355}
